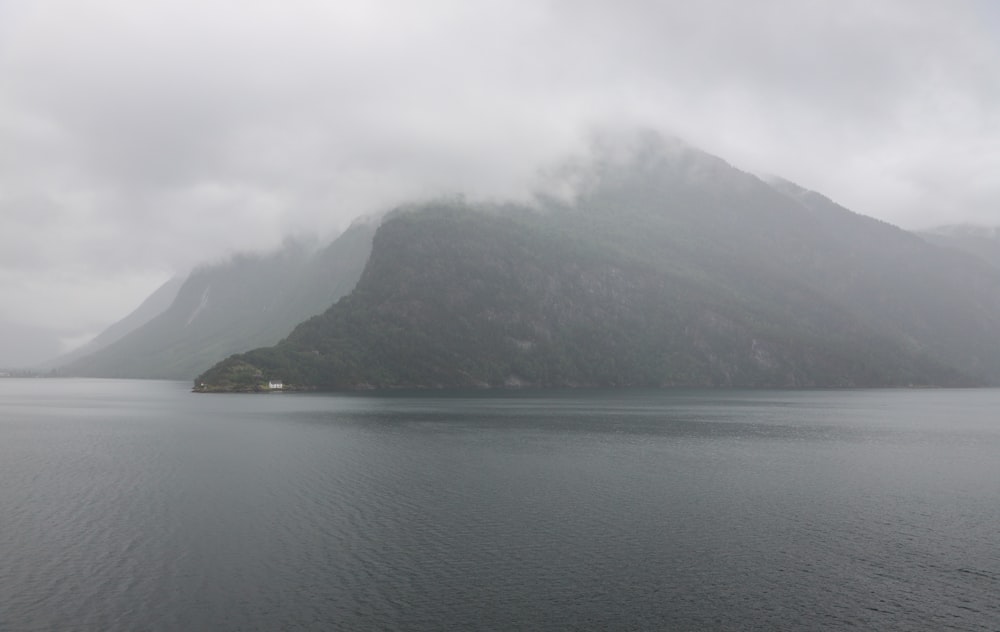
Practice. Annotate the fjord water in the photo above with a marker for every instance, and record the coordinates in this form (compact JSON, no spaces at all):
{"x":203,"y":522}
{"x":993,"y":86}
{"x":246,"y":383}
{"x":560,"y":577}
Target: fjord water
{"x":134,"y":505}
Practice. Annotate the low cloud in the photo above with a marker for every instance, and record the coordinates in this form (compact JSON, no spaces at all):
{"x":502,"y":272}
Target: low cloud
{"x":139,"y":139}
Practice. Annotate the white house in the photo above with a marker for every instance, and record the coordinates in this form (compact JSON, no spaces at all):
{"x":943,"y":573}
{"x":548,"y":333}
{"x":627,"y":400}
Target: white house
{"x":275,"y":386}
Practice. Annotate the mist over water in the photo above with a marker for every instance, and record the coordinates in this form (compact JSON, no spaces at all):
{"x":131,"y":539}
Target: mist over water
{"x":136,"y":505}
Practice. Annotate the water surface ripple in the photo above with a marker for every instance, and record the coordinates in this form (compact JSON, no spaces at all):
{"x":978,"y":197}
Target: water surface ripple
{"x":131,"y":505}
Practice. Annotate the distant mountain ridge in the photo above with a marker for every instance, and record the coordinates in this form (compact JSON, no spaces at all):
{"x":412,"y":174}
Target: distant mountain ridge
{"x":249,"y":301}
{"x":668,"y":267}
{"x":154,"y":305}
{"x":982,"y":242}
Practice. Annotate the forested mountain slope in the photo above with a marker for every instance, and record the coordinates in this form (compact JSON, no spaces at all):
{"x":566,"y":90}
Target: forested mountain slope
{"x":668,"y":267}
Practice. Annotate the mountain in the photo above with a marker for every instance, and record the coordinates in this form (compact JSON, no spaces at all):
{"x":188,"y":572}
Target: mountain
{"x":938,"y":299}
{"x":154,"y":305}
{"x":982,"y":242}
{"x":667,"y":267}
{"x":249,"y":301}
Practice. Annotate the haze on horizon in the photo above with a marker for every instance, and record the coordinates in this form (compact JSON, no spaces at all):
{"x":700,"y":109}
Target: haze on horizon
{"x":140,"y":139}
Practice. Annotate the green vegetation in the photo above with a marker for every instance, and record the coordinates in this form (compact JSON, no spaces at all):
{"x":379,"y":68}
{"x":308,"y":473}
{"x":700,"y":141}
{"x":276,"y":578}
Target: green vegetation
{"x":238,"y":377}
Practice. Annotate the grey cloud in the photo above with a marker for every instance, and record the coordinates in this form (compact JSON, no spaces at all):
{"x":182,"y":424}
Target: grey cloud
{"x":140,"y":138}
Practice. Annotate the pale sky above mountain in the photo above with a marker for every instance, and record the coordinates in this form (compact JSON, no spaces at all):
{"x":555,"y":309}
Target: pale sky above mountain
{"x":140,"y":138}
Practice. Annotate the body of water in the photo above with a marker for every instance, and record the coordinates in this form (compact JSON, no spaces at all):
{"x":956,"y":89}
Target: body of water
{"x":136,"y":505}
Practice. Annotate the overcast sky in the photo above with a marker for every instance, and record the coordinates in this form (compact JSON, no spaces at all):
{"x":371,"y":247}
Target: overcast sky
{"x":140,"y":138}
